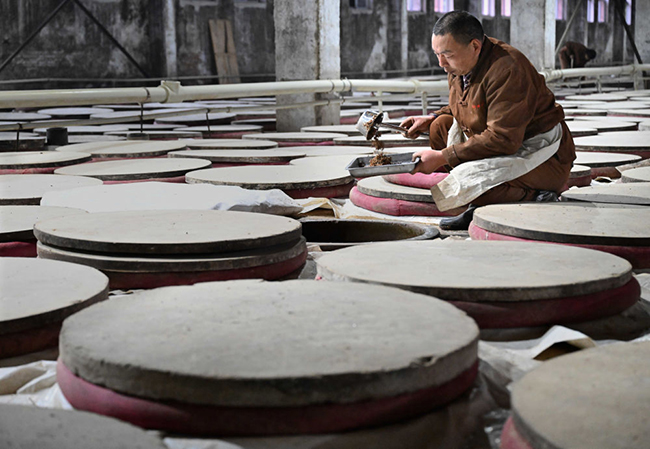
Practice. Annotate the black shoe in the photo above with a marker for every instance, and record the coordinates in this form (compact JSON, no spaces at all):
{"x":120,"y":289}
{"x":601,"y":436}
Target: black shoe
{"x":546,"y":196}
{"x":460,"y":222}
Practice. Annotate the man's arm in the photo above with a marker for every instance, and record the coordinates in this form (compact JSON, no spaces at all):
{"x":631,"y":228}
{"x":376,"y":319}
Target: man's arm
{"x":420,"y":124}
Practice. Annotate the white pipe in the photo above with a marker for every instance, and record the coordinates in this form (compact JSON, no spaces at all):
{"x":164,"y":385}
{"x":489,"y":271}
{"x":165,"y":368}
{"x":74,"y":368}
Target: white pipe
{"x":173,"y":91}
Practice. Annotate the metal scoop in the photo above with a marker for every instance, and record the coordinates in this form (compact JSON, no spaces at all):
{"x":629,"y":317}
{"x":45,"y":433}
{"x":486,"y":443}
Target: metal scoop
{"x":370,"y":121}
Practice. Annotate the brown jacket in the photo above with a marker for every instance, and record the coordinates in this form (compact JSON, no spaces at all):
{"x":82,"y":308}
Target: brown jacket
{"x":506,"y":102}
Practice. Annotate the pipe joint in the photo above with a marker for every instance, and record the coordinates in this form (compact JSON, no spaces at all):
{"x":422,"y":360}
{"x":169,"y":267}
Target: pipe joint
{"x":173,"y":91}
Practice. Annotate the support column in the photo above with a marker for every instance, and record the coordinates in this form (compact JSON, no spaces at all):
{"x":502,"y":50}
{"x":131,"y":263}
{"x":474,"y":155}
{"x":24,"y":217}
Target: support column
{"x":171,"y":53}
{"x":642,"y":29}
{"x":307,"y":36}
{"x":532,"y":30}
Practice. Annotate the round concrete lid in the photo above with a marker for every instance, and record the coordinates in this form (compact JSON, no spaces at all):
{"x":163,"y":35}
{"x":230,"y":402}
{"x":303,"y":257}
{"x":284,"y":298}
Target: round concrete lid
{"x":595,"y":159}
{"x":241,"y":156}
{"x":630,"y":193}
{"x":596,"y":398}
{"x":608,"y":125}
{"x":224,"y":128}
{"x":214,"y":117}
{"x":618,"y":105}
{"x":100,"y":129}
{"x":29,"y":189}
{"x":26,"y":140}
{"x":73,"y":112}
{"x":641,"y":174}
{"x":23,"y":116}
{"x":32,"y":159}
{"x":313,"y":343}
{"x":380,"y":188}
{"x":85,"y":138}
{"x":146,"y":115}
{"x":128,"y":170}
{"x":644,"y":125}
{"x":294,"y":137}
{"x":334,"y":165}
{"x":615,"y":141}
{"x":578,"y":171}
{"x":568,"y":223}
{"x":581,"y":111}
{"x":271,"y":177}
{"x":393,"y":139}
{"x":350,"y":130}
{"x":31,"y":427}
{"x":229,"y":144}
{"x":135,"y":127}
{"x":597,"y":97}
{"x":177,"y":263}
{"x":168,"y":232}
{"x":581,"y":129}
{"x":161,"y":134}
{"x":630,"y":112}
{"x":35,"y":292}
{"x":125,"y":149}
{"x":334,"y":150}
{"x":500,"y":271}
{"x":17,"y":222}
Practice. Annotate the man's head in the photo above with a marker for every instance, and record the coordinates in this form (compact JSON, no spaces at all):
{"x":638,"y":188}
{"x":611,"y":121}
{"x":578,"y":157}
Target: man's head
{"x":457,"y":40}
{"x":591,"y":54}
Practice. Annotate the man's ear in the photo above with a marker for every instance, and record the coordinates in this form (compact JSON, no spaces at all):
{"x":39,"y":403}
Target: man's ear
{"x":476,"y":44}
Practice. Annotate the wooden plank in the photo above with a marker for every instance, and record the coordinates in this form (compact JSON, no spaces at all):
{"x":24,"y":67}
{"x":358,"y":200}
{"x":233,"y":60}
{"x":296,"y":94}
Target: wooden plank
{"x":223,"y":46}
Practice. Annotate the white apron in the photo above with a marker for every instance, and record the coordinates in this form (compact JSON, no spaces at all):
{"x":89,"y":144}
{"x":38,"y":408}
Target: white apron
{"x":469,"y":180}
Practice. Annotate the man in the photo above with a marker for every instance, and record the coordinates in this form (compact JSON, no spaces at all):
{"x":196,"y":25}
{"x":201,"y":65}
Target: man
{"x":575,"y":55}
{"x":502,"y":132}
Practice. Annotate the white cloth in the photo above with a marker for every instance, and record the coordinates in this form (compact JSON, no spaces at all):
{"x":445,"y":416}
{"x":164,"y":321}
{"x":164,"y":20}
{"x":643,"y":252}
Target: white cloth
{"x":470,"y":180}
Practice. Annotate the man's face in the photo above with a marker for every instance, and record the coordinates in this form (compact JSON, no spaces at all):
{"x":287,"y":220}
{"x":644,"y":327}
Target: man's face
{"x":455,"y":58}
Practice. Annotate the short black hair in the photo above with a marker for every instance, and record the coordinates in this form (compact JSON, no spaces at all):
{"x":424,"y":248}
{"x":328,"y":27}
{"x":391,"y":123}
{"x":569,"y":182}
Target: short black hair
{"x":463,"y":26}
{"x":591,"y":53}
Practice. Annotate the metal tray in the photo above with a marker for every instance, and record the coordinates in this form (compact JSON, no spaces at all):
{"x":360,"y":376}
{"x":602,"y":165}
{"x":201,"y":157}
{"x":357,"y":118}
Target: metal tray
{"x":402,"y":163}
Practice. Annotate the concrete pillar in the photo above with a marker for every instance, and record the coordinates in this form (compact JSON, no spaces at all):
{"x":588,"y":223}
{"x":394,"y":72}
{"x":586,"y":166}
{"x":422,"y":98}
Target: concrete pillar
{"x":642,"y":29}
{"x":532,"y":30}
{"x":398,"y":36}
{"x":171,"y":52}
{"x":307,"y":36}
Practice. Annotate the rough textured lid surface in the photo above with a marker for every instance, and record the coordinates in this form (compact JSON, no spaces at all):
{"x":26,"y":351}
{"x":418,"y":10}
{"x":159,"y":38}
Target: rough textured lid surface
{"x":641,"y":174}
{"x":313,"y":342}
{"x":628,"y":193}
{"x":30,"y":159}
{"x":28,"y":189}
{"x":168,"y":232}
{"x":241,"y":156}
{"x":500,"y":271}
{"x":593,"y":399}
{"x":607,"y":125}
{"x":28,"y":427}
{"x":615,"y":141}
{"x":378,"y":187}
{"x":578,"y":171}
{"x":593,"y":159}
{"x":581,"y":129}
{"x":34,"y":292}
{"x":229,"y":144}
{"x":294,"y":137}
{"x":126,"y":170}
{"x":126,"y":148}
{"x":568,"y":223}
{"x":17,"y":222}
{"x":271,"y":177}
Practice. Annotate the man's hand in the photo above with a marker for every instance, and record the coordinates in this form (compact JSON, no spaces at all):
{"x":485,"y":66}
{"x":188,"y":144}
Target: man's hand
{"x":417,"y":125}
{"x":430,"y":161}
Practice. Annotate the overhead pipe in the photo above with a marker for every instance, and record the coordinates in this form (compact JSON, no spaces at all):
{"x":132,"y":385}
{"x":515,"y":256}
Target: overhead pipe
{"x":174,"y":92}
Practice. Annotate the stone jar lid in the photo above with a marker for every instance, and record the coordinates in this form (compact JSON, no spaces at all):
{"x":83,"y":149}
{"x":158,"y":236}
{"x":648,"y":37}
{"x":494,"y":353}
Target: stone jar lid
{"x":596,"y":398}
{"x":313,"y":343}
{"x":500,"y":271}
{"x":31,"y":427}
{"x":168,"y":232}
{"x":35,"y":292}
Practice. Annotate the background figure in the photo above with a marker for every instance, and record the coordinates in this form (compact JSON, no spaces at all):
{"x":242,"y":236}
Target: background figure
{"x":575,"y":55}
